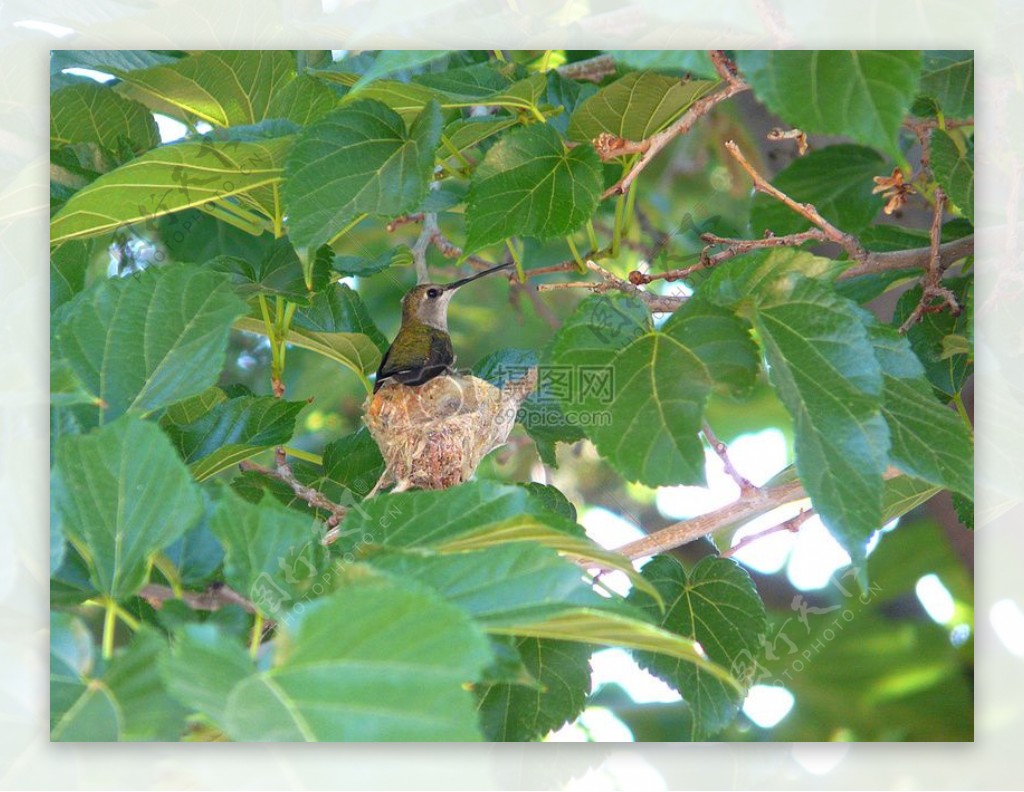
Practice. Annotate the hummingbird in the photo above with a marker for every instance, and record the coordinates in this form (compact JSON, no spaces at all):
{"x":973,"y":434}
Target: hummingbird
{"x":422,"y":349}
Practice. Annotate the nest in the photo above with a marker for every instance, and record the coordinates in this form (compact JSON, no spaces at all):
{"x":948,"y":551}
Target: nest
{"x":433,"y":436}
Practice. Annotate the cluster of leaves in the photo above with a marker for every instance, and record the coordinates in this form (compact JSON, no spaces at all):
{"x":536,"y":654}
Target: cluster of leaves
{"x":454,"y":615}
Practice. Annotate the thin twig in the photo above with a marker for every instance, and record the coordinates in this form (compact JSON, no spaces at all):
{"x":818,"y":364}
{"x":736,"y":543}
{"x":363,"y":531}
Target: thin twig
{"x":213,"y":598}
{"x":792,"y":525}
{"x":722,"y":450}
{"x":848,"y":242}
{"x":650,"y":147}
{"x":419,"y":248}
{"x":931,"y":282}
{"x":949,"y":253}
{"x":283,"y":472}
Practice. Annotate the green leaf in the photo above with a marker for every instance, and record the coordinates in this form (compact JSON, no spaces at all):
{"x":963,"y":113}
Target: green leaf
{"x":474,"y":516}
{"x":93,"y":113}
{"x":541,"y":414}
{"x":92,"y":716}
{"x":821,"y":362}
{"x":947,"y":373}
{"x":144,"y":342}
{"x":231,"y":431}
{"x":636,"y":106}
{"x":278,"y":272}
{"x":530,"y":184}
{"x":147,"y":711}
{"x":390,"y":61}
{"x":304,"y":100}
{"x":903,"y":494}
{"x":520,"y":712}
{"x":929,"y":440}
{"x":123,"y":495}
{"x":948,"y":78}
{"x":863,"y":94}
{"x":272,"y":554}
{"x":71,"y":660}
{"x":68,"y":265}
{"x":613,"y":629}
{"x":355,"y":351}
{"x":357,"y":160}
{"x":376,"y":661}
{"x":203,"y":667}
{"x":105,"y":60}
{"x":836,"y":179}
{"x":338,"y":309}
{"x":953,"y":165}
{"x":364,"y":266}
{"x":169,"y":179}
{"x":503,"y":585}
{"x":225,"y":88}
{"x":465,"y":133}
{"x":354,"y":462}
{"x":717,"y":605}
{"x":663,"y":375}
{"x":695,"y":62}
{"x":964,"y":508}
{"x":197,"y":555}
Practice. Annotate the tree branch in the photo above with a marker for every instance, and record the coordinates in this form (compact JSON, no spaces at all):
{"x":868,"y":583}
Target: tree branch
{"x":593,"y":69}
{"x":931,"y":286}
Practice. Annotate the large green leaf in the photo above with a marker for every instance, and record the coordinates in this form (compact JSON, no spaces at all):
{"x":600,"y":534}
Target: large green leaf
{"x":272,"y":554}
{"x":339,"y":309}
{"x":530,"y":184}
{"x":503,"y":585}
{"x":226,"y":88}
{"x":947,"y":77}
{"x":359,"y":159}
{"x":93,"y":113}
{"x":636,"y":106}
{"x":474,"y":516}
{"x":231,"y":431}
{"x":664,"y":376}
{"x":929,"y":440}
{"x":821,"y":361}
{"x":863,"y":94}
{"x":953,"y":165}
{"x":277,"y":272}
{"x":519,"y":712}
{"x":146,"y":710}
{"x":144,"y":342}
{"x":123,"y":494}
{"x":376,"y":661}
{"x":203,"y":667}
{"x":391,"y":61}
{"x":837,"y":180}
{"x":717,"y":604}
{"x":354,"y":462}
{"x":168,"y":179}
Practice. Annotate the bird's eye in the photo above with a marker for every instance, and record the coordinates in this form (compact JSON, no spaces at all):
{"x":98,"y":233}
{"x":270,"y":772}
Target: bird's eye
{"x":433,"y":292}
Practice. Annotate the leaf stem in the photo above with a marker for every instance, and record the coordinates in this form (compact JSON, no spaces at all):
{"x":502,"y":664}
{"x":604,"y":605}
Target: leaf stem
{"x":617,"y":228}
{"x":592,"y":236}
{"x":167,"y":569}
{"x":515,"y":257}
{"x":962,"y":410}
{"x":580,"y":265}
{"x":257,"y":634}
{"x":109,"y":623}
{"x":298,"y":453}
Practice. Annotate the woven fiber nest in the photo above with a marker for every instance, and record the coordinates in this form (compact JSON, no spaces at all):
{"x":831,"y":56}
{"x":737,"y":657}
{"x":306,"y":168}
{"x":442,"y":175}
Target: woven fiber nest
{"x":433,"y":436}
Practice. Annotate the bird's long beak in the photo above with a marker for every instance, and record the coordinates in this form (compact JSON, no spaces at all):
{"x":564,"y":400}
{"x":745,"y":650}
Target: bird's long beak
{"x":475,"y":276}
